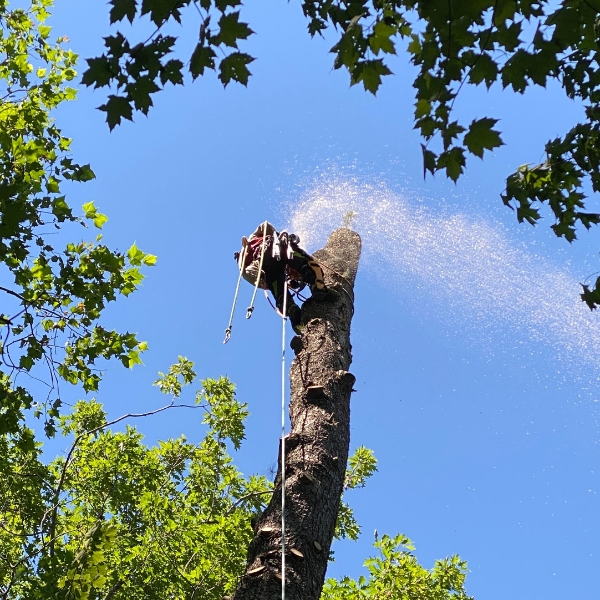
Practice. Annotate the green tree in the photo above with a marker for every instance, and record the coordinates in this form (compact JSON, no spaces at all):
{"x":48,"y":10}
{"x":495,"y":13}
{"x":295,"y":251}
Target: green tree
{"x":453,"y":44}
{"x":52,"y":298}
{"x":112,"y":518}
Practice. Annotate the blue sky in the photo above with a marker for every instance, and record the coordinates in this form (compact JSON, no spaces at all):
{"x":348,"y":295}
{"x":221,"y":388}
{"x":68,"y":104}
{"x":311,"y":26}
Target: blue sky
{"x":477,"y":366}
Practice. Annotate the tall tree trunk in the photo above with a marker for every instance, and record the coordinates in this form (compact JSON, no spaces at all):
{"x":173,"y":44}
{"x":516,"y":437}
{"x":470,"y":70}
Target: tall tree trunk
{"x":317,"y":447}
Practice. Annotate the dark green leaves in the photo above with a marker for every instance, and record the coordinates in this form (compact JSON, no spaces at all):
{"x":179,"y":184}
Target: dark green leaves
{"x":121,"y":9}
{"x":381,"y":38}
{"x":172,"y":72}
{"x":99,"y":72}
{"x":370,"y":73}
{"x":162,"y":10}
{"x":485,"y":69}
{"x":234,"y":68}
{"x":481,"y":136}
{"x":203,"y":58}
{"x":231,"y":30}
{"x":116,"y":109}
{"x":139,"y":71}
{"x":451,"y":45}
{"x":453,"y":161}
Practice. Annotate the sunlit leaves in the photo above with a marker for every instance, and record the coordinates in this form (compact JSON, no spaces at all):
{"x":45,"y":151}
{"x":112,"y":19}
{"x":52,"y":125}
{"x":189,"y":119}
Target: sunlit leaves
{"x":224,"y":414}
{"x":52,"y":297}
{"x":144,"y":520}
{"x":92,"y":213}
{"x":396,"y":568}
{"x":179,"y":375}
{"x":361,"y":465}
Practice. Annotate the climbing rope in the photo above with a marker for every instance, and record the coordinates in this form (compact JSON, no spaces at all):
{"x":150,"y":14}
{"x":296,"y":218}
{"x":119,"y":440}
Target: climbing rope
{"x":294,"y":293}
{"x":260,"y":266}
{"x":235,"y":296}
{"x":283,"y":320}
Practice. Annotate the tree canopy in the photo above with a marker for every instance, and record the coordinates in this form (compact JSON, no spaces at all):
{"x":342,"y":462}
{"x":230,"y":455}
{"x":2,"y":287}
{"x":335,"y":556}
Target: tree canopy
{"x":452,"y":44}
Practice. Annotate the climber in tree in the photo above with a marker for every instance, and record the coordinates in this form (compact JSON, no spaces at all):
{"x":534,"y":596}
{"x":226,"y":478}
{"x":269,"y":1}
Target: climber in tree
{"x":268,"y":258}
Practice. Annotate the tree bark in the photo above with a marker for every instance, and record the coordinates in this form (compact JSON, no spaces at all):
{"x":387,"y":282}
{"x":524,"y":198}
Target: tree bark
{"x":316,"y":449}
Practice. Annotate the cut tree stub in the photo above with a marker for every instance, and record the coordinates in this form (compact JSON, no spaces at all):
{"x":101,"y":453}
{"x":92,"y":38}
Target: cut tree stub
{"x":317,"y":446}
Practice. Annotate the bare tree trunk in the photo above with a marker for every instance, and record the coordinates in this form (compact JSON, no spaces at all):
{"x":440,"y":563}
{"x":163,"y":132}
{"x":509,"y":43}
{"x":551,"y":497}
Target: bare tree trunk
{"x":317,"y":446}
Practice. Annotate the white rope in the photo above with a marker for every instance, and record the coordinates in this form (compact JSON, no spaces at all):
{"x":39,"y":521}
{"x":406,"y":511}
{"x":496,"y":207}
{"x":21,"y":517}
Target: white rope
{"x":283,"y":320}
{"x":260,"y":266}
{"x":235,"y":297}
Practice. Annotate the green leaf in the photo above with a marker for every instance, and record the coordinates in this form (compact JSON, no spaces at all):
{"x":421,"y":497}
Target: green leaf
{"x":52,"y":185}
{"x":453,"y":161}
{"x":172,"y":72}
{"x":380,"y":39}
{"x":117,"y":108}
{"x":231,"y":30}
{"x":481,"y":136}
{"x":83,"y":173}
{"x":422,"y":108}
{"x":44,"y":30}
{"x":370,"y":73}
{"x":233,"y":68}
{"x":202,"y":58}
{"x":140,"y":90}
{"x":429,"y":161}
{"x":484,"y":69}
{"x":161,"y":10}
{"x":514,"y":72}
{"x":99,"y":72}
{"x":99,"y":220}
{"x":89,"y":209}
{"x":135,"y":255}
{"x":121,"y":9}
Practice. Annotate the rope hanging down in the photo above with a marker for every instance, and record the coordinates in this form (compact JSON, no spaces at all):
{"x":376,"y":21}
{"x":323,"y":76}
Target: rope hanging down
{"x":284,"y":319}
{"x":260,"y":266}
{"x":235,"y":296}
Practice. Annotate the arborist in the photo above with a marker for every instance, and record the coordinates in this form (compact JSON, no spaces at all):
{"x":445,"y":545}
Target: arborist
{"x":268,"y":258}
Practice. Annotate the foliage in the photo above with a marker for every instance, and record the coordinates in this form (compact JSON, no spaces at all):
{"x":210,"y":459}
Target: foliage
{"x":395,"y":573}
{"x":361,"y":465}
{"x":116,"y":518}
{"x":51,"y":298}
{"x":112,"y":517}
{"x":452,"y":44}
{"x":140,"y":70}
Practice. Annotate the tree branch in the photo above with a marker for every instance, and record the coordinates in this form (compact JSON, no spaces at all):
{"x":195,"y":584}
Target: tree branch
{"x":72,"y":450}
